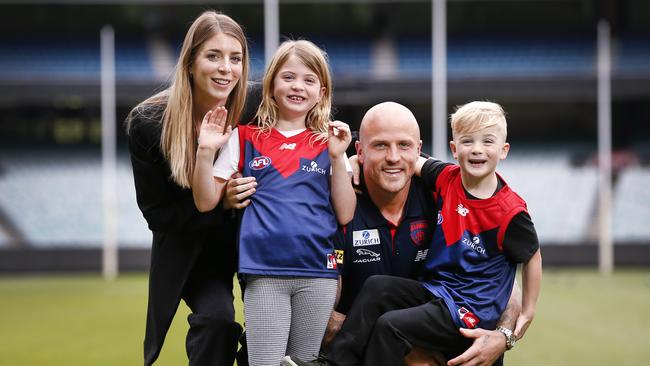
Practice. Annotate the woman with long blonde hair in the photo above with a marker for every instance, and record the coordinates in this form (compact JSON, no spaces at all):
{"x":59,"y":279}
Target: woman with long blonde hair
{"x":193,"y":253}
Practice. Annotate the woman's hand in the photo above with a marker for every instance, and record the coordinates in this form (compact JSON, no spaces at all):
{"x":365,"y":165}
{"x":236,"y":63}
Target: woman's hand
{"x":215,"y":131}
{"x":238,"y":191}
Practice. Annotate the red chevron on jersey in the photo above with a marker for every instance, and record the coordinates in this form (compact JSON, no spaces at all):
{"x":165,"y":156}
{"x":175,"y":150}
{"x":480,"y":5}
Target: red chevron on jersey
{"x":462,"y":216}
{"x":283,"y":152}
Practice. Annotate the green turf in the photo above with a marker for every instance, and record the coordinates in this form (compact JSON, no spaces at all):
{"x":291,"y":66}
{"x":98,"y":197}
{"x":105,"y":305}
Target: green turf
{"x":582,"y":319}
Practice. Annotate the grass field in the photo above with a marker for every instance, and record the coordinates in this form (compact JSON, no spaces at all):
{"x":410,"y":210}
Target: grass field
{"x":582,"y":319}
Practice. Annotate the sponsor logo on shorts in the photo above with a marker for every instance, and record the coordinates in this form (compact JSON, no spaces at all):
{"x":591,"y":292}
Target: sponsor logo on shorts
{"x":468,"y":317}
{"x":362,"y":238}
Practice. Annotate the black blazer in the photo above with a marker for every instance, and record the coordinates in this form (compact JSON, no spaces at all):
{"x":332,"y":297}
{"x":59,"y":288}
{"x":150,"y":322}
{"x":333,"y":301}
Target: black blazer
{"x":180,"y":231}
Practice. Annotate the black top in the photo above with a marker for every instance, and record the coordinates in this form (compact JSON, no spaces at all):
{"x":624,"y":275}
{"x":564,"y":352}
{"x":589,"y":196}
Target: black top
{"x":371,"y":245}
{"x":165,"y":205}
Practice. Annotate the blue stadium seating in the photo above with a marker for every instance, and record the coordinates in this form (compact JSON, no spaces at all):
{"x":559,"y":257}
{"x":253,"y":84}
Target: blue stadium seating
{"x":502,"y":56}
{"x":634,"y":54}
{"x":467,"y":56}
{"x":59,"y":59}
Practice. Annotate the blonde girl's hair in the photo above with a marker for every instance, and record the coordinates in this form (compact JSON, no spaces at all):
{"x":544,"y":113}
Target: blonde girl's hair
{"x":478,"y":115}
{"x":316,"y":60}
{"x":178,"y":140}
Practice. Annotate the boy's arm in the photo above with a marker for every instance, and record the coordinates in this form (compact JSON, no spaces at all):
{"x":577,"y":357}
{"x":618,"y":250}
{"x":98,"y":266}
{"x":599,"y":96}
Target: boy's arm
{"x":532,"y":282}
{"x":344,"y":200}
{"x":215,"y":132}
{"x":419,"y":164}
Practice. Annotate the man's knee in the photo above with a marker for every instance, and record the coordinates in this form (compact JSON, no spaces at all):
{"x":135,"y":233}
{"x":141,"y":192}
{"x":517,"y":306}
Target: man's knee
{"x":378,"y":284}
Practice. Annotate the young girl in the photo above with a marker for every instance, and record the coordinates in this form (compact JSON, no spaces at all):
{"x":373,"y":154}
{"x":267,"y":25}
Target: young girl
{"x":298,"y":159}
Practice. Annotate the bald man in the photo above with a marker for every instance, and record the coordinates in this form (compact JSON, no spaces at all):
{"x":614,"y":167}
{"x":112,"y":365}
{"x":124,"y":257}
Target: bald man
{"x":389,"y":235}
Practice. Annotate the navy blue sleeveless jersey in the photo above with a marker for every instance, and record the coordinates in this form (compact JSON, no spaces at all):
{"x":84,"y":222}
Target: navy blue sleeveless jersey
{"x":466,"y":265}
{"x":288,"y":228}
{"x":371,"y":245}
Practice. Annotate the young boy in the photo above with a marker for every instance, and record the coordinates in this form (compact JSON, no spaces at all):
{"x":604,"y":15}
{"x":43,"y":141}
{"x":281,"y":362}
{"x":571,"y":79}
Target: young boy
{"x":483,"y":231}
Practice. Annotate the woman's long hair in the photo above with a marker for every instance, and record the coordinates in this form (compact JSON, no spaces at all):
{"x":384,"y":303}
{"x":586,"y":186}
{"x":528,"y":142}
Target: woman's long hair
{"x":178,"y":140}
{"x":316,"y":60}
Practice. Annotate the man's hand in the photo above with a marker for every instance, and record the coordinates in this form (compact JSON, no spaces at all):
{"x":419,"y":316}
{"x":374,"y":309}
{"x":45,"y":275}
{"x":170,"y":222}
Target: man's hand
{"x":238,"y":190}
{"x":487,"y":347}
{"x":333,"y":326}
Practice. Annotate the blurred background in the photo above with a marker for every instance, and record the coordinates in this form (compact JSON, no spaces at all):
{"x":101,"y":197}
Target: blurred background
{"x":536,"y":58}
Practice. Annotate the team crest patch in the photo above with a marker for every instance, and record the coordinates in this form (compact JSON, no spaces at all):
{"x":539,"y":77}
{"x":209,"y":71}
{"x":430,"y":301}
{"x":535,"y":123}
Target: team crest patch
{"x":259,"y":162}
{"x":331,"y":261}
{"x":419,"y":231}
{"x":468,"y":317}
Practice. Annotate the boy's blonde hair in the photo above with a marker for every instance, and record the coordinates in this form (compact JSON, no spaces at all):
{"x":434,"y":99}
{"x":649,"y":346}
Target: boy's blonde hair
{"x":316,"y":60}
{"x":475,"y":116}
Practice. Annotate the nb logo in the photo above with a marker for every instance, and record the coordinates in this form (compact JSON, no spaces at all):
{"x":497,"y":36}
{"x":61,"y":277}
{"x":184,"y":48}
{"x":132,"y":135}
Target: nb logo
{"x":288,"y":146}
{"x":462,"y":210}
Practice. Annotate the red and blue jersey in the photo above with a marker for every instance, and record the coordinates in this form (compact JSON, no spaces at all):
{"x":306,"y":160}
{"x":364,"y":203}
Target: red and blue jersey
{"x":466,"y":265}
{"x":289,"y":226}
{"x":371,"y":245}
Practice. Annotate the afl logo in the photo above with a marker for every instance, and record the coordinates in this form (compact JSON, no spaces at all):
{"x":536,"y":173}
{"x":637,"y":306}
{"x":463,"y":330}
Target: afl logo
{"x":440,"y":219}
{"x":259,"y":162}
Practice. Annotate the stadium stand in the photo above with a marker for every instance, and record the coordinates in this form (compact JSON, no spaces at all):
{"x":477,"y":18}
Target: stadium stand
{"x":631,"y":209}
{"x":468,"y":56}
{"x":560,"y":197}
{"x":634,"y":54}
{"x":503,"y":56}
{"x":70,"y":59}
{"x":55,"y":199}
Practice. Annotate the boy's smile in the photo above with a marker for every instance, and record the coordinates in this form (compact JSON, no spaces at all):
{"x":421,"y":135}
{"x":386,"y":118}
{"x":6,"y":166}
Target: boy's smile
{"x":479,"y":152}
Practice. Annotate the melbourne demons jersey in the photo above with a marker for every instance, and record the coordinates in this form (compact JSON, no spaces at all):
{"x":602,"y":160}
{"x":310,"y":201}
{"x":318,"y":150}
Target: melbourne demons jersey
{"x":371,"y":245}
{"x":466,"y":265}
{"x":288,"y":228}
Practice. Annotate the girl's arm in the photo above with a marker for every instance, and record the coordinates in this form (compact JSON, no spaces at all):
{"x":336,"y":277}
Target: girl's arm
{"x":206,"y":189}
{"x":343,"y":198}
{"x":532,"y":282}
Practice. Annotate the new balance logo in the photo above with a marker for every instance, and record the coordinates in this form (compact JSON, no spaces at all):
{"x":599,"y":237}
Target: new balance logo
{"x":288,"y":146}
{"x":421,"y":255}
{"x":462,"y":210}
